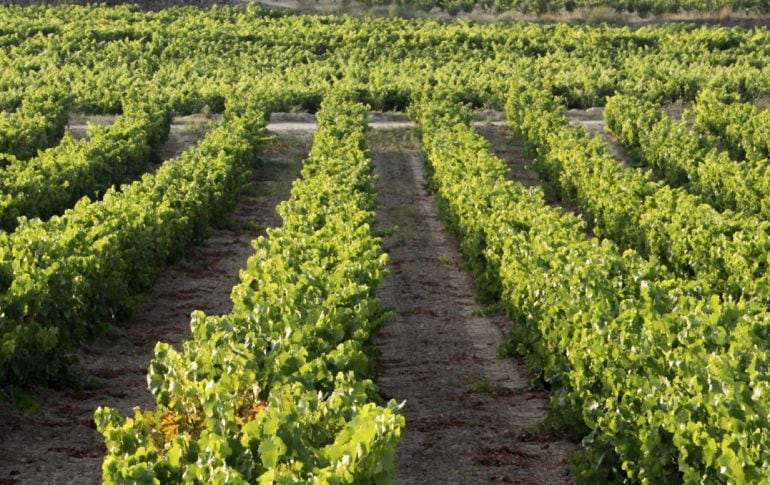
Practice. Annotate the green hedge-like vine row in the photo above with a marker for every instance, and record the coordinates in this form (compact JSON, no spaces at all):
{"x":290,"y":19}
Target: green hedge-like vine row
{"x":57,"y":178}
{"x":725,"y":251}
{"x":65,"y":279}
{"x":740,"y":126}
{"x":192,"y":55}
{"x":669,"y":378}
{"x":39,"y":123}
{"x":682,"y":157}
{"x":277,"y":390}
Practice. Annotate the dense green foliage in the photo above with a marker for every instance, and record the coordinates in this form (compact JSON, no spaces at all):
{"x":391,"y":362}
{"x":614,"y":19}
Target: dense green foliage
{"x":60,"y":176}
{"x":277,"y":390}
{"x":39,"y":123}
{"x":65,"y":278}
{"x":681,"y":157}
{"x":743,"y":129}
{"x":653,"y":336}
{"x":669,"y":377}
{"x":194,"y":56}
{"x":726,"y":251}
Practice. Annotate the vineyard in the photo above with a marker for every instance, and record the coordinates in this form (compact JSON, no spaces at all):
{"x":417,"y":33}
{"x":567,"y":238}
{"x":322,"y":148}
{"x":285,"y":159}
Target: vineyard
{"x":510,"y":252}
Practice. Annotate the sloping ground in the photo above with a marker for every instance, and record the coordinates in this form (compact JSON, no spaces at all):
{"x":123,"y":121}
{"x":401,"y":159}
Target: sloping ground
{"x":59,"y":444}
{"x":468,"y":412}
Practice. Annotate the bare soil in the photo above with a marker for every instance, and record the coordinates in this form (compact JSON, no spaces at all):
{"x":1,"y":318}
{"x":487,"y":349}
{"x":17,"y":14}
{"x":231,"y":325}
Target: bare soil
{"x":59,"y":443}
{"x":592,"y":120}
{"x":468,"y":412}
{"x":598,"y":14}
{"x":504,"y":143}
{"x":676,"y":110}
{"x":77,"y":125}
{"x":183,"y":133}
{"x":510,"y":148}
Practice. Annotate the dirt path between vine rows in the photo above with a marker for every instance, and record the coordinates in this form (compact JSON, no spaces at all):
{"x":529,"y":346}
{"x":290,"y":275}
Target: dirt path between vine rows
{"x":469,"y":413}
{"x":59,"y":443}
{"x":183,"y":132}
